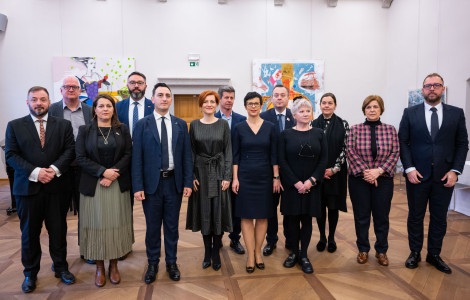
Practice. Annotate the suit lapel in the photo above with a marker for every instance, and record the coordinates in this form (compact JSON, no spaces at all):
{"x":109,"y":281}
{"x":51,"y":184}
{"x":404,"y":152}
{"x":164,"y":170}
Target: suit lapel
{"x":32,"y":129}
{"x":147,"y":107}
{"x":93,"y":138}
{"x":421,"y":117}
{"x":119,"y":141}
{"x":51,"y":126}
{"x":174,"y":134}
{"x":446,"y":115}
{"x":153,"y":127}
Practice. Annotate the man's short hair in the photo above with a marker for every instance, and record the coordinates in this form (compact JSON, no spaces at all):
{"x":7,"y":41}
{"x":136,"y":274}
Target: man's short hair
{"x":139,"y":74}
{"x":37,"y":88}
{"x":160,"y":84}
{"x":434,"y":75}
{"x":278,"y":85}
{"x":226,"y":89}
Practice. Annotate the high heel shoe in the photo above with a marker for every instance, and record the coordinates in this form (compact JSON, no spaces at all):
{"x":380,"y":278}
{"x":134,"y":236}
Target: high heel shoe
{"x":259,"y":265}
{"x":250,"y":269}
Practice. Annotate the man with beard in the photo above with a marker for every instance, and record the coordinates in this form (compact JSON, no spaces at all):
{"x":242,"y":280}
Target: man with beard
{"x":41,"y":148}
{"x":433,"y":145}
{"x":78,"y":113}
{"x":129,"y":112}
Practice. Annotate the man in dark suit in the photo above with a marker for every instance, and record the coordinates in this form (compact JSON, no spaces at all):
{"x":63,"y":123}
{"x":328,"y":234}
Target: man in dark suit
{"x":162,"y":173}
{"x":227,"y":97}
{"x":433,"y":145}
{"x":41,"y":148}
{"x":134,"y":108}
{"x":78,"y":113}
{"x":282,"y":118}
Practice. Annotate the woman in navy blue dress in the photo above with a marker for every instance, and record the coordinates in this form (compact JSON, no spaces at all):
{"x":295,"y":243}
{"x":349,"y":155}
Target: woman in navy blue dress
{"x":255,"y":177}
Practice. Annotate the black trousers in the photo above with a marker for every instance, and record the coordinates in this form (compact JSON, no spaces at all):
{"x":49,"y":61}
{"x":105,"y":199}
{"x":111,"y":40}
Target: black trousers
{"x":32,"y":211}
{"x":236,"y":221}
{"x":439,"y":198}
{"x":299,"y":234}
{"x":366,"y":198}
{"x":273,"y":225}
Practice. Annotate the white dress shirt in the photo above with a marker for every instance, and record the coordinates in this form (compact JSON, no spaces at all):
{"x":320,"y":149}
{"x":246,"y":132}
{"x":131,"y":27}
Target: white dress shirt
{"x":140,"y":111}
{"x":428,"y":114}
{"x":169,"y":130}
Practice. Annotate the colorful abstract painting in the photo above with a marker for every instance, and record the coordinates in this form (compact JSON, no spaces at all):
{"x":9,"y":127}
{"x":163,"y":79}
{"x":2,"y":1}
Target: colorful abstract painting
{"x":303,"y":78}
{"x":416,"y":97}
{"x":96,"y":75}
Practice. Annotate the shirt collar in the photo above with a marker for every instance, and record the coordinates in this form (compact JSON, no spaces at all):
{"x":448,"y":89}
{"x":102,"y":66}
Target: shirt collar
{"x":428,"y":107}
{"x":282,"y":113}
{"x":141,"y":101}
{"x":65,"y":105}
{"x":225,"y":116}
{"x":43,"y":118}
{"x":159,"y":116}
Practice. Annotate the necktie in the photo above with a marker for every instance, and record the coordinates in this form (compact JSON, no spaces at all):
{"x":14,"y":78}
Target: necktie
{"x":164,"y":143}
{"x":135,"y":115}
{"x":434,"y":123}
{"x":280,"y":118}
{"x":42,"y":133}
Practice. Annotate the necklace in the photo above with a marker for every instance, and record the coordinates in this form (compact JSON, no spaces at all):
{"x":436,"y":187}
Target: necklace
{"x":107,"y":136}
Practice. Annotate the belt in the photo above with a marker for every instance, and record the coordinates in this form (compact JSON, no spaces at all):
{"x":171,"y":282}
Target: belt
{"x":167,"y":173}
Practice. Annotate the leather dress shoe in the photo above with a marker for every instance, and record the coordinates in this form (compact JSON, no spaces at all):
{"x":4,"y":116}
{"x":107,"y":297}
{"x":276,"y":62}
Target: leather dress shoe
{"x":291,"y":260}
{"x":216,"y":267}
{"x":321,"y":245}
{"x":437,"y":262}
{"x":173,"y":272}
{"x":331,"y":246}
{"x":260,"y":265}
{"x":29,"y":284}
{"x":413,"y":260}
{"x":306,"y":265}
{"x":66,"y":277}
{"x":206,"y":264}
{"x":250,"y":269}
{"x":269,"y":248}
{"x":151,"y":274}
{"x":362,"y":257}
{"x":382,"y":259}
{"x":237,"y":247}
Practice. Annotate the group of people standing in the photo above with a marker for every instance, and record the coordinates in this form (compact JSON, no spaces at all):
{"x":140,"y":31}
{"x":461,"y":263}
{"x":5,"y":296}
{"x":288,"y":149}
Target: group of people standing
{"x":235,"y":171}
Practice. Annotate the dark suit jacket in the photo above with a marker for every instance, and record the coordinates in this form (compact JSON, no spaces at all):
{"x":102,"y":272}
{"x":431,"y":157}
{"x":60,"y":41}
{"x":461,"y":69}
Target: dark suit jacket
{"x":146,"y":159}
{"x":236,"y":118}
{"x":24,"y":153}
{"x":123,"y":109}
{"x":448,"y":151}
{"x":270,"y":115}
{"x":88,"y":157}
{"x":57,"y":110}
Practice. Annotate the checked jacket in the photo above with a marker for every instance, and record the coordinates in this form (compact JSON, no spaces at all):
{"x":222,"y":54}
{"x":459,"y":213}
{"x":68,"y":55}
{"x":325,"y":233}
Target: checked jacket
{"x":359,"y":152}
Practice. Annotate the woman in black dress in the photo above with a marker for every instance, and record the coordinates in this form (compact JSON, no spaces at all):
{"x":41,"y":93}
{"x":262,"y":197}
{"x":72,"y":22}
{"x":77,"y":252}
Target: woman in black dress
{"x":209,"y":206}
{"x":255,"y":177}
{"x":334,"y":187}
{"x":303,"y":152}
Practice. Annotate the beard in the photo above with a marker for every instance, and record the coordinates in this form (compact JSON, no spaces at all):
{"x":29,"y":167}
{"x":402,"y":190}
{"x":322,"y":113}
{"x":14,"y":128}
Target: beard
{"x":137,"y":94}
{"x":38,"y":114}
{"x":433,"y":100}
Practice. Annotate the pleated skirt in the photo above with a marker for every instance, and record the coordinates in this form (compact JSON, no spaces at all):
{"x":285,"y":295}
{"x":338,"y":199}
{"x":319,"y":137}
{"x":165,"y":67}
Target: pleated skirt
{"x":106,"y":223}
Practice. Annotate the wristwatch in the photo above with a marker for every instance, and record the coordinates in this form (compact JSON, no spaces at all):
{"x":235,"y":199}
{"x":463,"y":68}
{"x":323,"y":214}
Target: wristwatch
{"x":277,"y":177}
{"x":314,"y":183}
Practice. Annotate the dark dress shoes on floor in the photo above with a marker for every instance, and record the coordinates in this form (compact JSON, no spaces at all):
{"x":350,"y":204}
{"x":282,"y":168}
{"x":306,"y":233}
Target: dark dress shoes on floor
{"x":151,"y":274}
{"x":331,"y":246}
{"x":206,"y":264}
{"x":29,"y":284}
{"x":413,"y":260}
{"x":173,"y":272}
{"x":437,"y":262}
{"x":66,"y":277}
{"x":237,"y":247}
{"x":268,"y":249}
{"x":306,"y":265}
{"x":291,"y":260}
{"x":216,"y":266}
{"x":260,"y":265}
{"x":321,"y":245}
{"x":250,"y":269}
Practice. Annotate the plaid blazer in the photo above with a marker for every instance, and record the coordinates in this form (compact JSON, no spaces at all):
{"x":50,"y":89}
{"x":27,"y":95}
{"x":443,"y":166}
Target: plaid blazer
{"x":359,"y":153}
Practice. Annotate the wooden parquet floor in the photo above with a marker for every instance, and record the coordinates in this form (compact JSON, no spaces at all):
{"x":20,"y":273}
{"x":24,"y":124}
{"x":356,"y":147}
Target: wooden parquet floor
{"x":336,"y":276}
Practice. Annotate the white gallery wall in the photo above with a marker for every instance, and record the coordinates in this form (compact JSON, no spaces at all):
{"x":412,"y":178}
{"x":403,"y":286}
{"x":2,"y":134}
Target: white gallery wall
{"x":367,"y":49}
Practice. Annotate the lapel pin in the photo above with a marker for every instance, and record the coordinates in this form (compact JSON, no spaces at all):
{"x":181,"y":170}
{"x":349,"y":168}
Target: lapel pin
{"x":117,"y":133}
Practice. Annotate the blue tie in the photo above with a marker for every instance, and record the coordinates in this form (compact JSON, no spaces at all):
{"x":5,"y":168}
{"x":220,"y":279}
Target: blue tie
{"x":135,"y":115}
{"x":164,"y":142}
{"x":434,"y":123}
{"x":280,"y":118}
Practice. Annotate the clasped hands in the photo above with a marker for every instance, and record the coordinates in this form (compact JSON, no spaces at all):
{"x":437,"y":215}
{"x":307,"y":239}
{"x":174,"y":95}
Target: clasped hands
{"x":109,"y":176}
{"x":304,"y":187}
{"x":46,"y":175}
{"x":371,"y":176}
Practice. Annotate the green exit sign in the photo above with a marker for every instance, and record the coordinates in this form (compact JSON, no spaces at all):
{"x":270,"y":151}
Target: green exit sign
{"x":194,"y":64}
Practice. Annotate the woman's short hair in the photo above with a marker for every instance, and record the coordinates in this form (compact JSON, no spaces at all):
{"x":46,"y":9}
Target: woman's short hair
{"x":299,"y":103}
{"x":114,"y":119}
{"x":251,"y":95}
{"x":371,"y":98}
{"x":328,"y":95}
{"x":203,"y":96}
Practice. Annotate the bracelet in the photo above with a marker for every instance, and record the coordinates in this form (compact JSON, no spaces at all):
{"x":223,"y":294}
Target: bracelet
{"x":314,"y":183}
{"x":277,"y":177}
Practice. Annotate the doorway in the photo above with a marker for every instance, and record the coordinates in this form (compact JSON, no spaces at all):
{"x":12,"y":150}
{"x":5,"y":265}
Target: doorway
{"x":187,"y":107}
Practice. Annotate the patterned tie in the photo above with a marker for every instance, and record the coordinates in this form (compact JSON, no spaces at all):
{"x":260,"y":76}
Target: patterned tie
{"x":135,"y":115}
{"x":434,"y":123}
{"x":164,"y":142}
{"x":42,"y":133}
{"x":280,"y":119}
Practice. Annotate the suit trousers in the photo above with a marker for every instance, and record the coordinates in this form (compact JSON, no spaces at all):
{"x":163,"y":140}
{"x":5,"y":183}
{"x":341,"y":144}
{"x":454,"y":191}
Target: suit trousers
{"x":236,"y":221}
{"x":162,"y":207}
{"x":273,"y":225}
{"x":366,"y":198}
{"x":439,"y":198}
{"x":33,"y":210}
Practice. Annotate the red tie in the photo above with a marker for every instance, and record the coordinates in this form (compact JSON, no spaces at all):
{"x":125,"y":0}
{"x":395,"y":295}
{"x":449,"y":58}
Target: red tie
{"x":42,"y":133}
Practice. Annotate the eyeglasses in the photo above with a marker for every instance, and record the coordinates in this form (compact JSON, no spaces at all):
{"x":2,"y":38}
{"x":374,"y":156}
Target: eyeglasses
{"x":253,"y":104}
{"x":68,"y":87}
{"x":136,"y":83}
{"x":435,"y":85}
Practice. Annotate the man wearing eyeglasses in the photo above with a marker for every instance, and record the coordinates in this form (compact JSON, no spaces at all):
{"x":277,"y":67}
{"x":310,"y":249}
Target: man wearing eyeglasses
{"x":78,"y":113}
{"x":282,"y":118}
{"x":134,"y":108}
{"x":434,"y":144}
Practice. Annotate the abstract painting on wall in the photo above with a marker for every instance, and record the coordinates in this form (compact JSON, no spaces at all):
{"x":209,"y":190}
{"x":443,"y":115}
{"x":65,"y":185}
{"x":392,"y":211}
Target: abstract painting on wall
{"x":416,"y":97}
{"x":302,"y":78}
{"x":95,"y":74}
